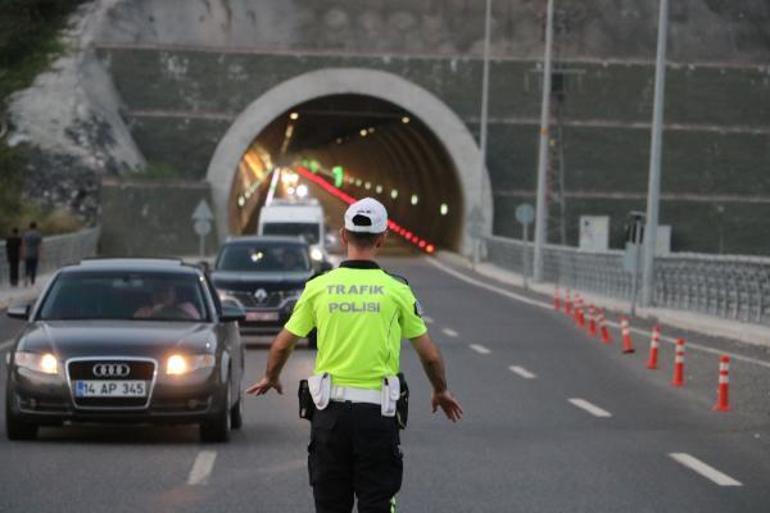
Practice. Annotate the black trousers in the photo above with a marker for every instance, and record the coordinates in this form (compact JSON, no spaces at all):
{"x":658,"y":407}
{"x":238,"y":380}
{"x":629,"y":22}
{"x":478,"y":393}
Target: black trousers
{"x":354,"y":451}
{"x":13,"y":271}
{"x":30,"y":270}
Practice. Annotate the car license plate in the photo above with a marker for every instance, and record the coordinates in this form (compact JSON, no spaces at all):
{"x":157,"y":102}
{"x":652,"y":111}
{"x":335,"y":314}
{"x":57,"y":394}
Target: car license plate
{"x":261,"y":316}
{"x":104,"y":388}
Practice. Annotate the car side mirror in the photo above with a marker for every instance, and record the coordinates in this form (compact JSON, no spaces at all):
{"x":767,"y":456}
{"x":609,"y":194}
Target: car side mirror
{"x":19,"y":311}
{"x":232,"y":311}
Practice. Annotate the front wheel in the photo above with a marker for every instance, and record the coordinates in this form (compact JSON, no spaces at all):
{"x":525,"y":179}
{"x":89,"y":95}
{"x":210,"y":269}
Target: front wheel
{"x":217,"y":428}
{"x":15,"y":428}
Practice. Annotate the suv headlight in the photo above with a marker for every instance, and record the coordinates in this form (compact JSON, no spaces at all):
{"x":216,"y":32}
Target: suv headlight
{"x":45,"y":363}
{"x":180,"y":364}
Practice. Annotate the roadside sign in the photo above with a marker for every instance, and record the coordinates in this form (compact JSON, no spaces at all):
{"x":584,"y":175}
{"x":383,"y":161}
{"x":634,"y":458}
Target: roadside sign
{"x":202,"y":218}
{"x":525,"y":213}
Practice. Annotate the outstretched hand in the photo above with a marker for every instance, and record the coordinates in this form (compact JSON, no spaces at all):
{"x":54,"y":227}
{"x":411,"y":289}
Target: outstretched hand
{"x":446,"y":401}
{"x":263,"y":386}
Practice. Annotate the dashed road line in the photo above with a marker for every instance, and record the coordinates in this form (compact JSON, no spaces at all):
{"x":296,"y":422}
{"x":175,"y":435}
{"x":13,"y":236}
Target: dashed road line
{"x":449,"y":332}
{"x":590,"y":407}
{"x":707,"y":471}
{"x":548,"y":306}
{"x":522,"y":372}
{"x":479,"y":348}
{"x":202,"y":467}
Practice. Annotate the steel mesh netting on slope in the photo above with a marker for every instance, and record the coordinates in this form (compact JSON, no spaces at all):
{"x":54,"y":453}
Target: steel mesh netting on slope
{"x":731,"y":287}
{"x":57,"y":251}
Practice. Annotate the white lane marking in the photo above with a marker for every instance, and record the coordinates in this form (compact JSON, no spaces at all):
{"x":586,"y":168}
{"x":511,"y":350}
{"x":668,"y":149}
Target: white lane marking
{"x":449,"y":332}
{"x":202,"y":467}
{"x":590,"y":407}
{"x":479,"y":349}
{"x":704,"y":470}
{"x":522,"y":372}
{"x":548,"y":306}
{"x":428,"y":320}
{"x":6,"y":345}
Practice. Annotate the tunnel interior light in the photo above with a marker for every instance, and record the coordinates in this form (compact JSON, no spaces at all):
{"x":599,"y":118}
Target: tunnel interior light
{"x":415,"y":200}
{"x":359,"y":182}
{"x":339,"y":140}
{"x":394,"y":193}
{"x":371,"y":130}
{"x":444,"y":209}
{"x":294,"y":116}
{"x":368,"y":185}
{"x":241,"y":201}
{"x":408,"y":236}
{"x":405,"y":120}
{"x":363,"y":132}
{"x":378,"y":189}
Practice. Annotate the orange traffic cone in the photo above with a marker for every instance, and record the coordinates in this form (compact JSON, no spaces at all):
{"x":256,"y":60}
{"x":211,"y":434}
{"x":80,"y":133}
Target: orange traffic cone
{"x":678,"y":380}
{"x":723,"y":390}
{"x":628,"y":343}
{"x":603,"y":328}
{"x":652,"y":362}
{"x":592,"y":320}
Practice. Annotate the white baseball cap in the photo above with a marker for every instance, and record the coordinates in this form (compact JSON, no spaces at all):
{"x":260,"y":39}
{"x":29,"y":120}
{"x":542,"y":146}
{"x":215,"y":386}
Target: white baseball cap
{"x":366,"y":216}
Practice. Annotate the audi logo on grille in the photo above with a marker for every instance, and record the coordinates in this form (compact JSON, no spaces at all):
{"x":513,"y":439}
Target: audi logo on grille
{"x":111,"y":370}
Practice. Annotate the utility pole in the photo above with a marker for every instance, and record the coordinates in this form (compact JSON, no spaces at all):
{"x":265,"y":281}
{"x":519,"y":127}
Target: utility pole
{"x":541,"y":215}
{"x":656,"y":151}
{"x":484,"y":121}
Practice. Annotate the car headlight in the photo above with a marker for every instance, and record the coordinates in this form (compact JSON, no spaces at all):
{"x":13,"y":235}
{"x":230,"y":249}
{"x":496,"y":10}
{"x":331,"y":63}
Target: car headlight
{"x":45,"y":363}
{"x":180,"y":364}
{"x":316,"y":254}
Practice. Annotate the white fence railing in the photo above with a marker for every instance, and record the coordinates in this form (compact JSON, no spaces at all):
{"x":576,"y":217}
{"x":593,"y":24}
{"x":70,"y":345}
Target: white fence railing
{"x":733,"y":287}
{"x":57,"y":251}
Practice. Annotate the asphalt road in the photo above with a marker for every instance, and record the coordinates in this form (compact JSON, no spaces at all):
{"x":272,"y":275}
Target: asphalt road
{"x":575,"y":426}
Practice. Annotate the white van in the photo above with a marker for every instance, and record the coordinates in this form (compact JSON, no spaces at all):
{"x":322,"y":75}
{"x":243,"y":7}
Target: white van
{"x":296,"y":219}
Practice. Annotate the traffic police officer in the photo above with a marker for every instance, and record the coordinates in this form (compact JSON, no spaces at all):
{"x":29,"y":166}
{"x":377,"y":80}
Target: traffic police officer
{"x":361,"y":313}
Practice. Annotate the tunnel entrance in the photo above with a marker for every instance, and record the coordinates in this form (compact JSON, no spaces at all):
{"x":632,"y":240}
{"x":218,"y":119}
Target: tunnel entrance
{"x":342,"y":134}
{"x":363,"y":146}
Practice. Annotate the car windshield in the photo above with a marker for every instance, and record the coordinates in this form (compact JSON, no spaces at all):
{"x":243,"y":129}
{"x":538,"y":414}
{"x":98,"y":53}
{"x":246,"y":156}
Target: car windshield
{"x":263,"y":257}
{"x":308,"y":231}
{"x":125,"y":296}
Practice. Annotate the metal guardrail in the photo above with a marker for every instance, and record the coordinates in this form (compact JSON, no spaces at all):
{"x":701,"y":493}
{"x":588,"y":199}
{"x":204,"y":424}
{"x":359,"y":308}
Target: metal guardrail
{"x":57,"y":251}
{"x":731,"y":287}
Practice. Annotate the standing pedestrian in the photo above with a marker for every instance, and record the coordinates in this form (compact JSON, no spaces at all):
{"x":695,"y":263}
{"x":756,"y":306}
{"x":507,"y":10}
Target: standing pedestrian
{"x":12,"y":254}
{"x":361,"y":313}
{"x":31,"y":248}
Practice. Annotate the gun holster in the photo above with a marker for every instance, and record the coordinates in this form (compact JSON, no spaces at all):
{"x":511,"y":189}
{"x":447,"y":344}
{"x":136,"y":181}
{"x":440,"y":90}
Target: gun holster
{"x":306,"y":404}
{"x":402,"y":406}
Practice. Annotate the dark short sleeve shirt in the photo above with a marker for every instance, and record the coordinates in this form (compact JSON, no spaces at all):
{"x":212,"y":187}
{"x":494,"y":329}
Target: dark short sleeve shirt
{"x":32,"y":241}
{"x":12,"y":247}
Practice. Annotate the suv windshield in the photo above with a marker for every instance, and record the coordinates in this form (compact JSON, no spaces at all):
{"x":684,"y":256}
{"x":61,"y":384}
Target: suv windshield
{"x":263,"y":257}
{"x":308,"y":231}
{"x":125,"y":296}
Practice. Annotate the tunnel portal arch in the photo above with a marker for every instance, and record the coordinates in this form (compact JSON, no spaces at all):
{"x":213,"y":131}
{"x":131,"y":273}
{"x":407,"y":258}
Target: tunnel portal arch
{"x":448,"y":128}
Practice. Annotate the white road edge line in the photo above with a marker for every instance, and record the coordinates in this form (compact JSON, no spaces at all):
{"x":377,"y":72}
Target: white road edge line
{"x":449,"y":332}
{"x":590,"y":407}
{"x":704,"y":470}
{"x":479,"y":348}
{"x":202,"y":467}
{"x":522,"y":372}
{"x":547,"y":306}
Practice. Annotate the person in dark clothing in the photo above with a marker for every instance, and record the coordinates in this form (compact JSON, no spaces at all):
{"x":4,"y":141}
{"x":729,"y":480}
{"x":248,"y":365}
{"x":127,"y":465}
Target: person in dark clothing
{"x":32,"y":243}
{"x":12,"y":254}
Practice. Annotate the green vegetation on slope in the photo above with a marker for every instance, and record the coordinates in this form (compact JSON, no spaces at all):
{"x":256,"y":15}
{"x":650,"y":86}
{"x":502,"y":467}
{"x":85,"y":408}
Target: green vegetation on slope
{"x":28,"y":44}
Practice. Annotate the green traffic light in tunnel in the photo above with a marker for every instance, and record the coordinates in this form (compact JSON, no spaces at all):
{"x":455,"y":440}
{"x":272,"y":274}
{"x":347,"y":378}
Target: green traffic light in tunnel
{"x":314,"y":166}
{"x":339,"y":176}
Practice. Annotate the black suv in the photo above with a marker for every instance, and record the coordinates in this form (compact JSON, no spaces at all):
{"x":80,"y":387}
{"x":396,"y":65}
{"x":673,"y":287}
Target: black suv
{"x":264,"y":275}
